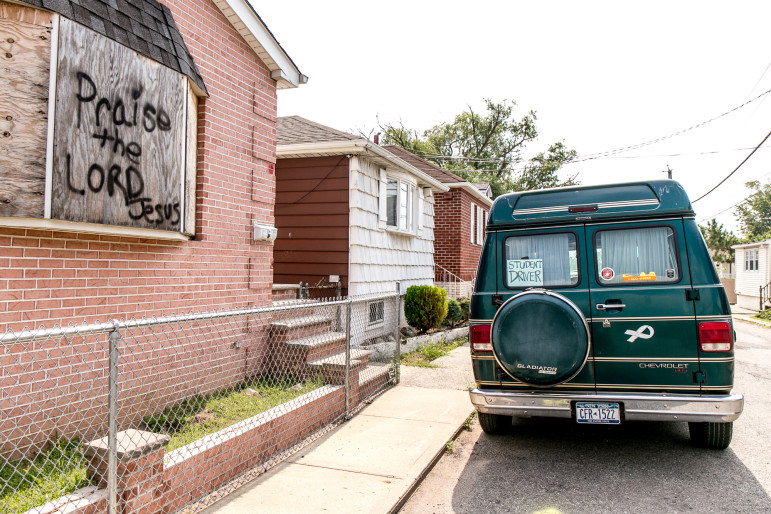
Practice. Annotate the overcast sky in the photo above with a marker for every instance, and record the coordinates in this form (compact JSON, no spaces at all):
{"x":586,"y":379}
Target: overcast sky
{"x":600,"y":75}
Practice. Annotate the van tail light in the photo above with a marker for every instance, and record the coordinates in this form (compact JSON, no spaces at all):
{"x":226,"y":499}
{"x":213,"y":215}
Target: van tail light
{"x":480,"y":338}
{"x":715,"y":336}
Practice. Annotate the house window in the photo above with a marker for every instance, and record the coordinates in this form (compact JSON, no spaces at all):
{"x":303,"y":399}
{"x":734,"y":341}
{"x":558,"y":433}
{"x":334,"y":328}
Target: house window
{"x":751,"y":260}
{"x":478,"y":224}
{"x":400,"y":205}
{"x":376,"y":313}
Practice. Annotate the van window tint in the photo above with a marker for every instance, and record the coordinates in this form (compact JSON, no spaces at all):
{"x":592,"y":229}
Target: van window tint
{"x":640,"y":255}
{"x":544,"y":260}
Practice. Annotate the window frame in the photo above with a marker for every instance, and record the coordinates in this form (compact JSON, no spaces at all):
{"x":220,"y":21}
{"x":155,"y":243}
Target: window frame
{"x":752,"y":259}
{"x":542,"y":233}
{"x":377,"y":322}
{"x":413,"y":204}
{"x":641,"y":283}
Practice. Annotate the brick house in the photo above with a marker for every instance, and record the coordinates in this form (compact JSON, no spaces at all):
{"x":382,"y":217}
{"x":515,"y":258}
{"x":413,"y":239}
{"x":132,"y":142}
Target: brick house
{"x":98,"y":223}
{"x":460,"y":216}
{"x":137,"y":154}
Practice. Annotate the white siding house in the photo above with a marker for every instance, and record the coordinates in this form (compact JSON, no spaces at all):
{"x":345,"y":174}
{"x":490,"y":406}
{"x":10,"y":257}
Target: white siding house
{"x":753,"y":271}
{"x":390,"y":216}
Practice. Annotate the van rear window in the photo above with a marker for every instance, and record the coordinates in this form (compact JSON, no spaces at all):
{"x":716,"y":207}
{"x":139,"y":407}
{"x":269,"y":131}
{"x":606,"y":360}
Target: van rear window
{"x":636,"y":256}
{"x":543,"y":260}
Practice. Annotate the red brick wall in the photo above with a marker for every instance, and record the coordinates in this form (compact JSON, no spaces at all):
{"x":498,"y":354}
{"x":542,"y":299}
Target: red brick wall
{"x":453,"y":249}
{"x":59,"y":277}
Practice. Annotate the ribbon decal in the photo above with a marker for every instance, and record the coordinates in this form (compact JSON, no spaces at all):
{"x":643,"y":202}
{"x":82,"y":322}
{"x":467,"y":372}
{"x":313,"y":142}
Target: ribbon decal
{"x":644,"y":332}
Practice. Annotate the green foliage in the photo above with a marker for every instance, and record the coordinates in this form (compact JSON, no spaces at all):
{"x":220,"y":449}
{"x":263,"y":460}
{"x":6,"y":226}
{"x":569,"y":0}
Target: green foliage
{"x":58,"y":470}
{"x":763,"y":315}
{"x":465,"y":306}
{"x":755,"y":214}
{"x":428,"y":352}
{"x":719,"y":241}
{"x":488,"y":147}
{"x":425,"y":307}
{"x":454,"y":313}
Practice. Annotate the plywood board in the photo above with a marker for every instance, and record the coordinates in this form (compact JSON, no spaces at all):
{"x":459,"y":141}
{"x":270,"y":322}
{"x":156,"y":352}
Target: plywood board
{"x":25,"y":49}
{"x":119,"y":144}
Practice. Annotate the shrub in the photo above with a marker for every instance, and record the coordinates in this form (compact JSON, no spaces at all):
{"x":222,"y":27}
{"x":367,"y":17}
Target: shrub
{"x":425,"y":307}
{"x":465,"y":306}
{"x":454,"y":313}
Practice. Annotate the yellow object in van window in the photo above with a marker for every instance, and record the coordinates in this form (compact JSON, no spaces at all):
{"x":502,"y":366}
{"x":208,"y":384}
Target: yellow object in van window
{"x":641,"y":277}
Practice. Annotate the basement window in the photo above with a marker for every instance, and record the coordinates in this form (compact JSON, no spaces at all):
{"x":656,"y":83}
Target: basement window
{"x":376,"y":312}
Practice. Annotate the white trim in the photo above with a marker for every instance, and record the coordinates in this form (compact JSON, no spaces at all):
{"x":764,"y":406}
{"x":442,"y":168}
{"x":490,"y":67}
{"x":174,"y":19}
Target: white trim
{"x":471,"y":190}
{"x":358,"y":147}
{"x":247,"y":22}
{"x":382,"y":220}
{"x":91,"y":228}
{"x":54,"y":69}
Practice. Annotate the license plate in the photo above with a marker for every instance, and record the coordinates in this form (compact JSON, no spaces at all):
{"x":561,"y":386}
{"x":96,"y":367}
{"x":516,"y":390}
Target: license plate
{"x":598,"y":413}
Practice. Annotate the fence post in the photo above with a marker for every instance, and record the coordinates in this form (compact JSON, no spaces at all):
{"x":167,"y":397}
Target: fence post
{"x":112,"y":429}
{"x":760,"y":294}
{"x":397,"y":333}
{"x":348,"y":361}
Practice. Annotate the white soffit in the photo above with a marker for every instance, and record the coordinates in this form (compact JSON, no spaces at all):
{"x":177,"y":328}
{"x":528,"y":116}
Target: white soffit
{"x":245,"y":20}
{"x":472,"y":190}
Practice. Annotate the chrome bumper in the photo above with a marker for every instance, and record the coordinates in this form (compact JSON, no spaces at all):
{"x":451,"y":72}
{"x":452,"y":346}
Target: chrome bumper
{"x":643,"y":407}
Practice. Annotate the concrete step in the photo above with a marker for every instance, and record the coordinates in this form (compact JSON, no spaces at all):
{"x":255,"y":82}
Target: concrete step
{"x":338,"y":360}
{"x":374,"y":371}
{"x":301,"y":322}
{"x":315,"y":341}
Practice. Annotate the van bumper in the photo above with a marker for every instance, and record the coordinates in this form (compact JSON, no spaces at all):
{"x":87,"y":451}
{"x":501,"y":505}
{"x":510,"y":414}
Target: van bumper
{"x":634,"y":407}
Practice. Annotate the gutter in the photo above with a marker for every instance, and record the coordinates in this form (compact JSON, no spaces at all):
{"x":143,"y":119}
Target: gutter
{"x":468,"y":186}
{"x":356,"y":147}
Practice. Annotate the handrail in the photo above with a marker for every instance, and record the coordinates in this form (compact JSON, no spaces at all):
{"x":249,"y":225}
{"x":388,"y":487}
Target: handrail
{"x":765,"y":295}
{"x":450,"y":273}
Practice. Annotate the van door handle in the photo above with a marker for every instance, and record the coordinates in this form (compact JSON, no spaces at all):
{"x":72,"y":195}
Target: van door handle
{"x":604,"y":306}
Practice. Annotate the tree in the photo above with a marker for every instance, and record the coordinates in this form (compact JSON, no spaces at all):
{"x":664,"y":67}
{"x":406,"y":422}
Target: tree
{"x":488,"y":147}
{"x":755,"y":214}
{"x":719,"y":241}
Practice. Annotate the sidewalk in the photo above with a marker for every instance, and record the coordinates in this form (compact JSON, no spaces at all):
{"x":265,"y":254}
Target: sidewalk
{"x":372,"y":462}
{"x":742,"y":314}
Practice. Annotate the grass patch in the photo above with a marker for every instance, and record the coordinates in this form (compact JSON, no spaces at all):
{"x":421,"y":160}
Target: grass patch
{"x":61,"y":468}
{"x":428,"y":352}
{"x":58,"y":470}
{"x":763,"y":315}
{"x":200,"y":416}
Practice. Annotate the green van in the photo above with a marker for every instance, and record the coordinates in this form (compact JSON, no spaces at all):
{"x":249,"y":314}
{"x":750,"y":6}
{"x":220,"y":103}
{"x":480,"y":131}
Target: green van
{"x":601,"y":304}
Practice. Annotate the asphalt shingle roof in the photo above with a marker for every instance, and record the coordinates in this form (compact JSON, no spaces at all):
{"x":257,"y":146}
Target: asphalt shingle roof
{"x":291,"y":130}
{"x":145,"y":26}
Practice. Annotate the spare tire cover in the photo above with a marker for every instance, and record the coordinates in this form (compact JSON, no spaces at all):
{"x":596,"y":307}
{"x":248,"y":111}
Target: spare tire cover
{"x":540,"y":338}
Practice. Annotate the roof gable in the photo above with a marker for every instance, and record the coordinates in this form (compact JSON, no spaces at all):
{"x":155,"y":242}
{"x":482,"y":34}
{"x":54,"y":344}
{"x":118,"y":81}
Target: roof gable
{"x":440,"y":174}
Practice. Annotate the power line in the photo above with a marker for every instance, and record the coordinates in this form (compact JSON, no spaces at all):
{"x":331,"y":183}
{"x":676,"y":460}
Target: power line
{"x":607,"y":153}
{"x":735,"y":169}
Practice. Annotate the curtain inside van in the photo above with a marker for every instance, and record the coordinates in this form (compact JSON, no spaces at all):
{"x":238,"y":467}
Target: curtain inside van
{"x":633,"y":252}
{"x":553,"y":249}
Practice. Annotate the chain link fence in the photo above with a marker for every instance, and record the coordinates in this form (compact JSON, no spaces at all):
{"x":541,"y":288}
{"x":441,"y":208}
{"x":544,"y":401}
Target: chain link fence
{"x":155,"y":414}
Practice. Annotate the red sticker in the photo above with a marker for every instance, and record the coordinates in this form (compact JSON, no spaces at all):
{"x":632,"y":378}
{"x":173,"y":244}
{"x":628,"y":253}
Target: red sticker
{"x":607,"y":273}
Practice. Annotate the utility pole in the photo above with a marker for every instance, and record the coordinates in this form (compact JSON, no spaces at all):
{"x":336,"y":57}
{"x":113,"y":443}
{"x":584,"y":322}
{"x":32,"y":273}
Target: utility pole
{"x":668,"y":171}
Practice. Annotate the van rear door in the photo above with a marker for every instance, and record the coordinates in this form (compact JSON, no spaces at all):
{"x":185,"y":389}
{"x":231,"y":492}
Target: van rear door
{"x":642,"y":321}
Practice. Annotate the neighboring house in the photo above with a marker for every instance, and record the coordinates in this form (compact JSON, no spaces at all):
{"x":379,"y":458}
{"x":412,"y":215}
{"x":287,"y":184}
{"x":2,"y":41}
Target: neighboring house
{"x":132,"y":172}
{"x":460,"y":217}
{"x":753,"y":272}
{"x":348,"y":210}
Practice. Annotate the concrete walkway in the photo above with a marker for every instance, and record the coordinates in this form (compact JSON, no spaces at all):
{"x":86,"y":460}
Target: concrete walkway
{"x":372,"y":462}
{"x":741,"y":314}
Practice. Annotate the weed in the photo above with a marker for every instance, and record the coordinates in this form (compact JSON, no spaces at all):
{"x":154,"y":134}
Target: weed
{"x":469,"y":423}
{"x":448,"y":447}
{"x":57,"y":470}
{"x":428,"y":352}
{"x":763,"y":315}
